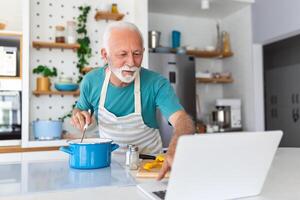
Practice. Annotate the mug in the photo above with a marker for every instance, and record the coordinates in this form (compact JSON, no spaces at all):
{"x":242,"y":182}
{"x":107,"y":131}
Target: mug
{"x":176,"y":39}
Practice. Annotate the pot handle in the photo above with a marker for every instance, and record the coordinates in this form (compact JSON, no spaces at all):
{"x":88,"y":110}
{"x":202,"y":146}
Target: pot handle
{"x":66,"y":150}
{"x":114,"y":147}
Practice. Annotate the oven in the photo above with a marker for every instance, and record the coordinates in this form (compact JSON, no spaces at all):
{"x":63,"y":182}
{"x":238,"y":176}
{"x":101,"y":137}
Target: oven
{"x":10,"y":115}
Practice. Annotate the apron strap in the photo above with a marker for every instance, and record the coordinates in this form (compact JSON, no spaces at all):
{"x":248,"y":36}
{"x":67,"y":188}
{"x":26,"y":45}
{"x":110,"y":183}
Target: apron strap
{"x":137,"y":92}
{"x":104,"y":89}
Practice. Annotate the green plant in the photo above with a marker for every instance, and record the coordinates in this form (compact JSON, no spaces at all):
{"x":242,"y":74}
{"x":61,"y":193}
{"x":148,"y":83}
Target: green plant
{"x":45,"y":71}
{"x":84,"y":52}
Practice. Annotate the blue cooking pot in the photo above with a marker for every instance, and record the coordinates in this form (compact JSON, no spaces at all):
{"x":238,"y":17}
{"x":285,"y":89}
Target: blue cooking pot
{"x":90,"y":154}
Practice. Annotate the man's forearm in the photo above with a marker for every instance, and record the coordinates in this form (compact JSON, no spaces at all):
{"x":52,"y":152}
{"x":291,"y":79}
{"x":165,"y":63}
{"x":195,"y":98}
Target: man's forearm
{"x":183,"y":125}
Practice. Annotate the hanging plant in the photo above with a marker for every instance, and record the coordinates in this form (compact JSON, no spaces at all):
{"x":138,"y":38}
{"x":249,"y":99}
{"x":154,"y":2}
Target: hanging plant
{"x":84,"y":52}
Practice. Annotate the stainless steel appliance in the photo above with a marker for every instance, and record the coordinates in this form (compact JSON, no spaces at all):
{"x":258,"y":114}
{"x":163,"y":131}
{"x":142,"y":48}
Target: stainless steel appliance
{"x":8,"y":61}
{"x":228,"y":115}
{"x":221,"y":117}
{"x":10,"y":115}
{"x":180,"y":71}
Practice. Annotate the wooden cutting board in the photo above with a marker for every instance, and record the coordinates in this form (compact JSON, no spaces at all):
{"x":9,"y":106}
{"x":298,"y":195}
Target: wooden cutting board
{"x":152,"y":173}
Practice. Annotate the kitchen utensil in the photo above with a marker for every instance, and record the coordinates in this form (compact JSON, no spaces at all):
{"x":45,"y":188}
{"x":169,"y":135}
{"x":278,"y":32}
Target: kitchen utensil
{"x":146,"y":156}
{"x":85,"y":127}
{"x":47,"y":129}
{"x":90,"y":154}
{"x":154,"y":37}
{"x":66,"y":86}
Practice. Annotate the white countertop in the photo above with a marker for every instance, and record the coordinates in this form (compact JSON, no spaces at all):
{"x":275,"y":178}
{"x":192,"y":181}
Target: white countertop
{"x":55,"y":180}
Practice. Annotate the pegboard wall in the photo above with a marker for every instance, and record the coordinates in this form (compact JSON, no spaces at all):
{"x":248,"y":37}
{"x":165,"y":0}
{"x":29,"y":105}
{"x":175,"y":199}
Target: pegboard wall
{"x":44,"y":16}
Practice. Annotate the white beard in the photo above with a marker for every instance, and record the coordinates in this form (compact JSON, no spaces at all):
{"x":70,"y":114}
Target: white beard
{"x":128,"y":78}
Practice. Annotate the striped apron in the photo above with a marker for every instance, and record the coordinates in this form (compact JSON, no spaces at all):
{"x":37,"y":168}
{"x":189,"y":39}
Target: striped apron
{"x":129,"y":129}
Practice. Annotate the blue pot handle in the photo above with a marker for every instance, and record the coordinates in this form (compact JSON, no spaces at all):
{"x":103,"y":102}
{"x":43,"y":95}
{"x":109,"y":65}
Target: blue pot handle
{"x":114,"y":147}
{"x":67,"y":150}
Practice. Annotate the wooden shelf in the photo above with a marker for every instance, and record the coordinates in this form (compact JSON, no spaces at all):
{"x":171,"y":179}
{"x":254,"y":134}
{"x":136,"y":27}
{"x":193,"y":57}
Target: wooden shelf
{"x":74,"y":93}
{"x":18,"y":149}
{"x":208,"y":54}
{"x":38,"y":44}
{"x":102,"y":15}
{"x":214,"y":80}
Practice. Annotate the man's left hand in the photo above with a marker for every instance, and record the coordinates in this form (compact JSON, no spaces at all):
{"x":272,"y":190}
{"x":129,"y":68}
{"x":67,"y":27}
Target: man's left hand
{"x":166,"y":167}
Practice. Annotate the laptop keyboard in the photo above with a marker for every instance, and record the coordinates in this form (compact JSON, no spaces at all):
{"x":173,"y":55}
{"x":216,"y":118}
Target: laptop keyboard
{"x":160,"y":194}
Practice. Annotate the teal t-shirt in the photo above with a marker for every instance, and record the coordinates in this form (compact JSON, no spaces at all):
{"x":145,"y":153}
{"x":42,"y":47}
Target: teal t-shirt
{"x":156,"y":92}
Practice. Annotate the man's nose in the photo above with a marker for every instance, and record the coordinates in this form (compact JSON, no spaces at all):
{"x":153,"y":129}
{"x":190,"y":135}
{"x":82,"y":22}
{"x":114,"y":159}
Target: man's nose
{"x":130,"y":60}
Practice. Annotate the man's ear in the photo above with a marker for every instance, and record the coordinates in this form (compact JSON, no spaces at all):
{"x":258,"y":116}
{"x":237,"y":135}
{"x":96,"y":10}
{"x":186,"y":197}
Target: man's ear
{"x":104,"y":55}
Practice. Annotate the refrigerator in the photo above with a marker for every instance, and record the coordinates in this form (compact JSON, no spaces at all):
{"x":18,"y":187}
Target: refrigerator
{"x":179,"y":69}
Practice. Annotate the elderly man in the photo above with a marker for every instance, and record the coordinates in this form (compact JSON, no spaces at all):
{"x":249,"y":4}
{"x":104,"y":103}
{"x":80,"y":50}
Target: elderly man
{"x":124,"y":96}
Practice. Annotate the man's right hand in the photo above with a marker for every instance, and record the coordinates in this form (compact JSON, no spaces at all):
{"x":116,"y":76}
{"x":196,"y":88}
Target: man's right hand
{"x":79,"y":118}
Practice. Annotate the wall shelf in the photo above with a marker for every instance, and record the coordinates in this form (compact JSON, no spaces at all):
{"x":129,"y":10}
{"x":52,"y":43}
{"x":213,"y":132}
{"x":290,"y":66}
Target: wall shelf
{"x":214,"y":80}
{"x":38,"y":44}
{"x":74,"y":93}
{"x":208,"y":54}
{"x":102,"y":15}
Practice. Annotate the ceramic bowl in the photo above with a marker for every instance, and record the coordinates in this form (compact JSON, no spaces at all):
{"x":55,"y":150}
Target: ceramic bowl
{"x":66,"y":86}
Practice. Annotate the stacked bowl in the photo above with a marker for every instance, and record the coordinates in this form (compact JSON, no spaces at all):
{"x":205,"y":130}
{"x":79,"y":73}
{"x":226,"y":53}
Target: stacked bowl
{"x":65,"y":83}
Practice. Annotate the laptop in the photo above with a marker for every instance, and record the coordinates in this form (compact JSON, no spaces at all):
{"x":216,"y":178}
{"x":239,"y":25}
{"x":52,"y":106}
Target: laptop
{"x":217,"y":166}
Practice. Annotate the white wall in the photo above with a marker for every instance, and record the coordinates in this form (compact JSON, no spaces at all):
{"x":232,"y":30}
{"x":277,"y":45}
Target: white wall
{"x":275,"y":19}
{"x":141,"y":20}
{"x":240,"y":65}
{"x":11,"y":14}
{"x":195,"y":32}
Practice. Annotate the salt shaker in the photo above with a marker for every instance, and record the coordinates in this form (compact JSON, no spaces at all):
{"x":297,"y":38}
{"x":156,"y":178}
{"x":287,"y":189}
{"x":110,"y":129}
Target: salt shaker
{"x":128,"y":152}
{"x":134,"y":158}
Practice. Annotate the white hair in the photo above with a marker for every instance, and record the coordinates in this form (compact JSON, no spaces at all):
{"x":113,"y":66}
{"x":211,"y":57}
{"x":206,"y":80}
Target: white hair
{"x":119,"y":25}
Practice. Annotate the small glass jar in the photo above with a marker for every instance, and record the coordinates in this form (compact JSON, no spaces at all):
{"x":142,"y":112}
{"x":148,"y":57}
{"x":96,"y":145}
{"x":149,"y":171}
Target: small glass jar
{"x":134,"y":158}
{"x":114,"y":8}
{"x":60,"y":34}
{"x":71,"y":32}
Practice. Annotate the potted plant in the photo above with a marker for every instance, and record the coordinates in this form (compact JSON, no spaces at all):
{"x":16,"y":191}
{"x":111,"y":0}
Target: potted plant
{"x":43,"y":83}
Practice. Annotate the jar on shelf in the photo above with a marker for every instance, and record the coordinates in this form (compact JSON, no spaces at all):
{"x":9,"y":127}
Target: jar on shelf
{"x":114,"y":8}
{"x":71,"y":32}
{"x":226,"y":44}
{"x":60,"y":34}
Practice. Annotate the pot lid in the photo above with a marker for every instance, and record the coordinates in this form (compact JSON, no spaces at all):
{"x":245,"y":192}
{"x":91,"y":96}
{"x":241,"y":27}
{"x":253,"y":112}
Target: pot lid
{"x":91,"y":141}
